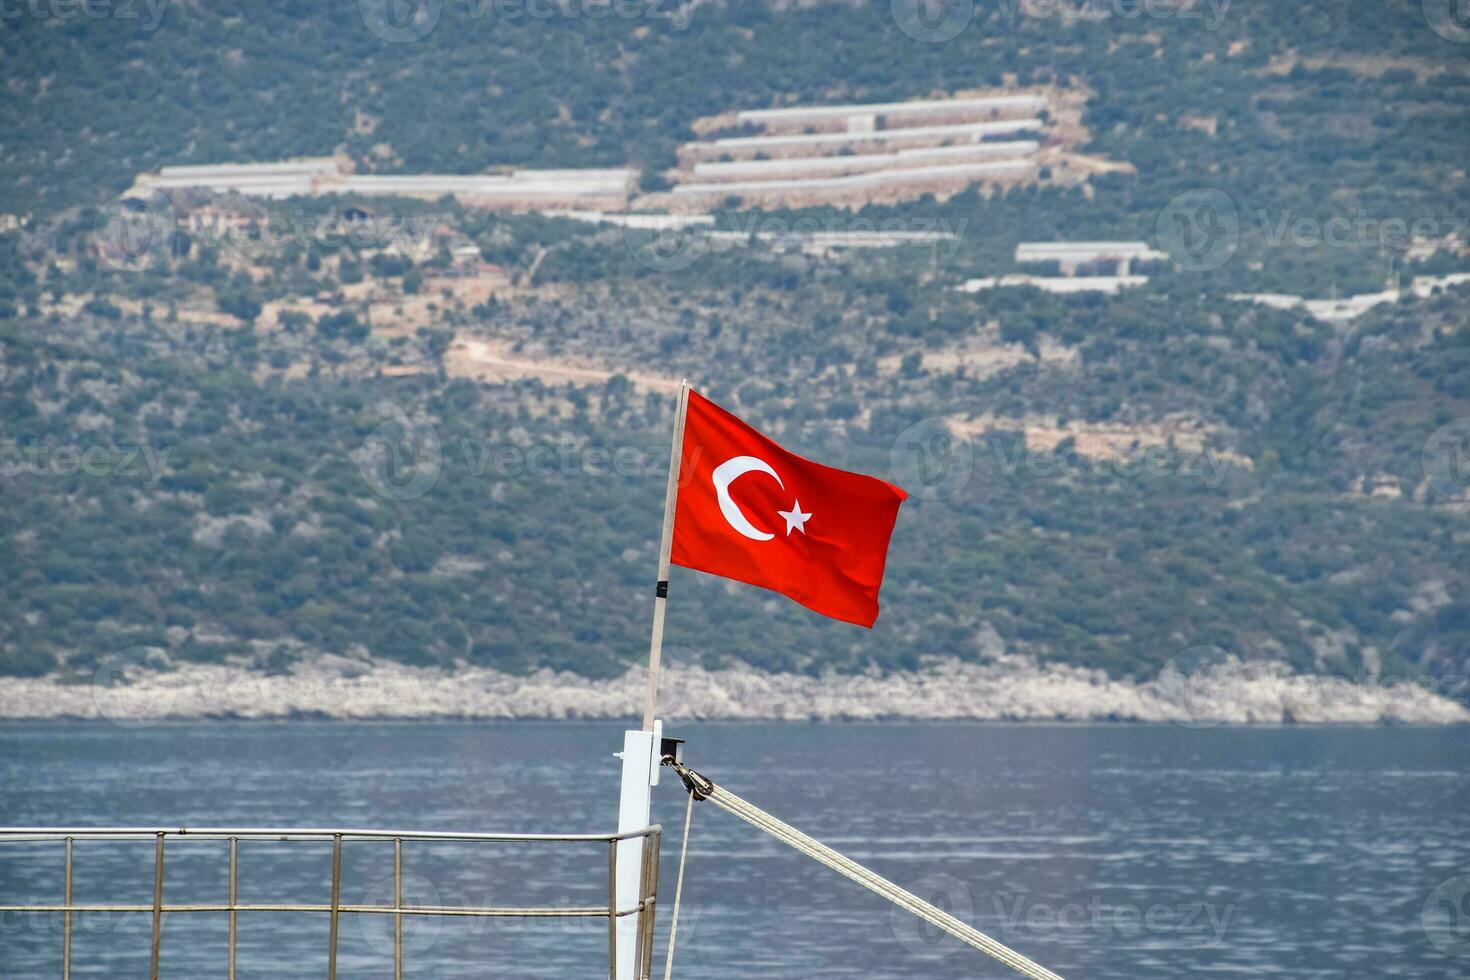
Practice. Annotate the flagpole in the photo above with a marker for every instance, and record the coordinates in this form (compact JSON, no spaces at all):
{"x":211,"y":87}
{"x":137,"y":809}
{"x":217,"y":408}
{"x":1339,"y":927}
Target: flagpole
{"x":665,"y":547}
{"x":640,"y":755}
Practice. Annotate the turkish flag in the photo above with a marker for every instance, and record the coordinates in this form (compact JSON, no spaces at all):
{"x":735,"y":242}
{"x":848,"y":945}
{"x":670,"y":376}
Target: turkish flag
{"x":749,"y":510}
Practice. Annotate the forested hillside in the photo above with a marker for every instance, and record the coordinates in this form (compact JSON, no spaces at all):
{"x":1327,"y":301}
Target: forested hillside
{"x":258,"y":449}
{"x":1345,"y":105}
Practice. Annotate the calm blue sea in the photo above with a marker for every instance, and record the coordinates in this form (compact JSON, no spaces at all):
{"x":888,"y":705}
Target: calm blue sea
{"x":1102,"y":852}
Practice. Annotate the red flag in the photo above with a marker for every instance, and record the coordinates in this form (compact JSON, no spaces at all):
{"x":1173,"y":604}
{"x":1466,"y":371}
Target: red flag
{"x":752,"y":511}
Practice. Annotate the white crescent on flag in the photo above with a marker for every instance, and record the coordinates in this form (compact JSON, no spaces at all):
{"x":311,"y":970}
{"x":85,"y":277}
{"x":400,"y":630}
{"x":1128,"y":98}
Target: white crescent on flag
{"x":725,"y":474}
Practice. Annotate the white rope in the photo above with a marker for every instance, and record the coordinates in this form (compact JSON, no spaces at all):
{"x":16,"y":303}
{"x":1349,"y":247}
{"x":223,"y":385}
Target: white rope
{"x":848,"y":868}
{"x":678,"y":892}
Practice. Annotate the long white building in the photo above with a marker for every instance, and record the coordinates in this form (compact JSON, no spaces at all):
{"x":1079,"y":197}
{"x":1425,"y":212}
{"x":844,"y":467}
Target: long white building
{"x":909,"y":177}
{"x":859,"y":162}
{"x":893,"y":113}
{"x":1055,"y":284}
{"x":518,"y":188}
{"x":922,"y":135}
{"x":602,"y":188}
{"x":854,"y":153}
{"x":271,"y":180}
{"x":1071,"y":256}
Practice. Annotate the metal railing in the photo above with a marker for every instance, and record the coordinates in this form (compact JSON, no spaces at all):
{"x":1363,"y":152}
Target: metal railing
{"x":644,"y":908}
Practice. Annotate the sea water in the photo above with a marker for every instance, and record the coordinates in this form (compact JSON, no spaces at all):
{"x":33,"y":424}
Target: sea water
{"x":1122,"y":852}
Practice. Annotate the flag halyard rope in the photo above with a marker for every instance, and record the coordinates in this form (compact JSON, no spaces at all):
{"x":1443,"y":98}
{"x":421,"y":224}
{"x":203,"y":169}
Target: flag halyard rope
{"x":678,"y":892}
{"x":700,"y":787}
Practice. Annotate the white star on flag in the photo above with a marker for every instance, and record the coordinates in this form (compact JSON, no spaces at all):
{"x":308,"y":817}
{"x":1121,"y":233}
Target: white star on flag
{"x":795,"y":519}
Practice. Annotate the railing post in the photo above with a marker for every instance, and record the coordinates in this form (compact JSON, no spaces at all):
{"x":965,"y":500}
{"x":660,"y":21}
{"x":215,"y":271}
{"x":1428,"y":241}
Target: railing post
{"x":336,"y":905}
{"x":647,"y":911}
{"x":66,"y":918}
{"x":612,"y":909}
{"x":398,"y":909}
{"x":234,"y":901}
{"x":157,"y":906}
{"x":648,"y":869}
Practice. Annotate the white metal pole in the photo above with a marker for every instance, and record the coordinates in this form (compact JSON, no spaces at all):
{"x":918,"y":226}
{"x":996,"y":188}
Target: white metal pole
{"x":633,"y":814}
{"x":640,"y":748}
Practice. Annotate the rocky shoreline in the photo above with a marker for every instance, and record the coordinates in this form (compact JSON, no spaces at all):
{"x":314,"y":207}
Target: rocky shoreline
{"x":1011,"y":689}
